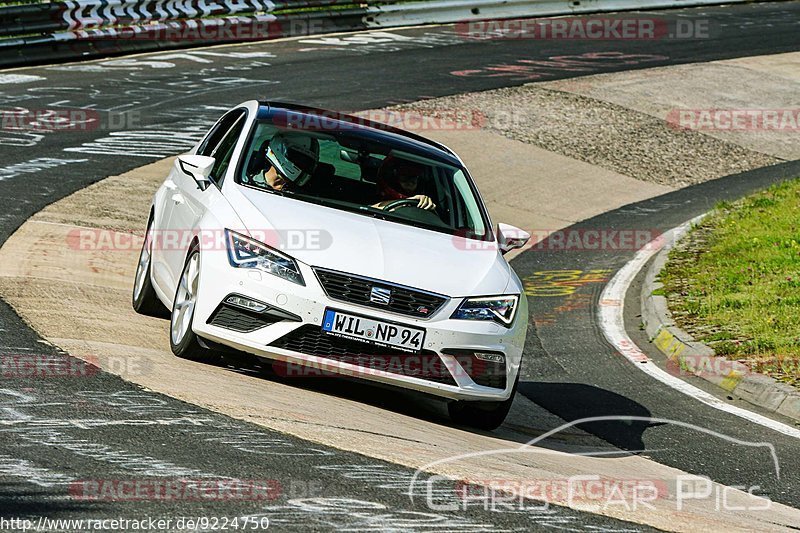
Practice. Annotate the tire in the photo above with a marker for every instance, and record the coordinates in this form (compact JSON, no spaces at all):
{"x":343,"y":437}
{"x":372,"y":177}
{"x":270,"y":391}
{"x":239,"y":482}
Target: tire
{"x":183,"y":341}
{"x":143,"y":297}
{"x":482,"y":415}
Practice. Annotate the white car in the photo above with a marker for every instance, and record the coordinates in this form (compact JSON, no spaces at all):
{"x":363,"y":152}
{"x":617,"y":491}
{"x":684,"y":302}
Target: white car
{"x":324,"y":243}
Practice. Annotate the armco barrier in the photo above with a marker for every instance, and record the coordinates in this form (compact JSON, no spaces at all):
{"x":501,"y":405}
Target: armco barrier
{"x":38,"y":32}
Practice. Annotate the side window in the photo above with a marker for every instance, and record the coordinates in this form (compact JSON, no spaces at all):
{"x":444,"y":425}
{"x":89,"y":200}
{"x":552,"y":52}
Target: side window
{"x":217,"y":133}
{"x":224,"y":150}
{"x":330,"y":152}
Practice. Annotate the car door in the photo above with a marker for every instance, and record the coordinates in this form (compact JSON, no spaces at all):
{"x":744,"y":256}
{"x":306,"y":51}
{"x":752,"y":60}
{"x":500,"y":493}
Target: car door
{"x":187,"y":202}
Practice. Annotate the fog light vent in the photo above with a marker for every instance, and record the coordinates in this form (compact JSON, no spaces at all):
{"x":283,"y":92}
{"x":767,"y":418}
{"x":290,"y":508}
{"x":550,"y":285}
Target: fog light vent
{"x":491,"y":357}
{"x":245,"y":303}
{"x":484,"y":368}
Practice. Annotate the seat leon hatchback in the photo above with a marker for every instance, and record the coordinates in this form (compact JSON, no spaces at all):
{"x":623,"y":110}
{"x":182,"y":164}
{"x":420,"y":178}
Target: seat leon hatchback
{"x":319,"y":241}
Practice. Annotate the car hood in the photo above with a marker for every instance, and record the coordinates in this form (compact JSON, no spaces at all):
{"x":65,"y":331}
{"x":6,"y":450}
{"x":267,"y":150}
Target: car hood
{"x":358,"y":244}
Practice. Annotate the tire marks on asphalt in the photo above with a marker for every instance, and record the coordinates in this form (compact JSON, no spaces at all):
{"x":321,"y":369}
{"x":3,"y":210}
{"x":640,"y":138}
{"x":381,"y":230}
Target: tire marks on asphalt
{"x":66,"y":433}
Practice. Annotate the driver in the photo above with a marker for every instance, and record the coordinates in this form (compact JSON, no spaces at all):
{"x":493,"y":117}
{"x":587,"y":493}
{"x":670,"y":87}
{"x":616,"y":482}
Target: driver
{"x":400,"y":181}
{"x":292,"y":159}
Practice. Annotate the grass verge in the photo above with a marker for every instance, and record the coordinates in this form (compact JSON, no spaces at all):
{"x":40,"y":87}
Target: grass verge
{"x":734,"y":282}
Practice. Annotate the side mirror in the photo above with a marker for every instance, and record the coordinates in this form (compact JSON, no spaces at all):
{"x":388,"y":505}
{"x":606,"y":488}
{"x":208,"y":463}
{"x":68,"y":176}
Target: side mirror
{"x":197,"y":167}
{"x":510,"y":237}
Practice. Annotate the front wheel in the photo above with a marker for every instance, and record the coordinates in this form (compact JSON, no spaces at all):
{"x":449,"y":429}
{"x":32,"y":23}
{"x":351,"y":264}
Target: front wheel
{"x":482,"y":415}
{"x":183,"y":341}
{"x":144,"y":299}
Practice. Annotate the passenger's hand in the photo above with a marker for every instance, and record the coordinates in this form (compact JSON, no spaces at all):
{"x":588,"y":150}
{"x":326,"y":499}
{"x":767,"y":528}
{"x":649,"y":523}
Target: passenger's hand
{"x":425,"y":202}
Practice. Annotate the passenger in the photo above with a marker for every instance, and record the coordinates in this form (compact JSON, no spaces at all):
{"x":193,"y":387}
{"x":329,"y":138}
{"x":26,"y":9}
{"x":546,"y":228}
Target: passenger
{"x":291,"y":159}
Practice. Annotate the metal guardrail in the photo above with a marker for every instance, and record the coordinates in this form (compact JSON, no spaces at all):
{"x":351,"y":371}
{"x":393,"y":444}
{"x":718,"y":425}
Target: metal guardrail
{"x":43,"y":32}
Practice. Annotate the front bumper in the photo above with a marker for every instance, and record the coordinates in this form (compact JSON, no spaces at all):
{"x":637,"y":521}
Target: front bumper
{"x":444,"y":337}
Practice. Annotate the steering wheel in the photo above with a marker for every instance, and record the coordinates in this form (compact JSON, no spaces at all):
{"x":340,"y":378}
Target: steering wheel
{"x":397,"y":204}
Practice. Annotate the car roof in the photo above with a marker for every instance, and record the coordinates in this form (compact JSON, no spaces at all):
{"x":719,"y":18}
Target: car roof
{"x":372,"y":130}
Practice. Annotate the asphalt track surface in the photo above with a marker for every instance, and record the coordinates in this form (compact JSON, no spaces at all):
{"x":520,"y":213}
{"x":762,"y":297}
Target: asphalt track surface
{"x":55,"y":432}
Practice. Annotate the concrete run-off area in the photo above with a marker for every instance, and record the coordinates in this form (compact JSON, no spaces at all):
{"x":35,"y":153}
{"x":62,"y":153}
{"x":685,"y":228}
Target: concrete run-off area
{"x":673,"y":126}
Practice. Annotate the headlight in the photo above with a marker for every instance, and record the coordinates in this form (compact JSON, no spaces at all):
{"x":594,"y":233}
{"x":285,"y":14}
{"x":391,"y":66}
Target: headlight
{"x":498,"y":308}
{"x":245,"y":252}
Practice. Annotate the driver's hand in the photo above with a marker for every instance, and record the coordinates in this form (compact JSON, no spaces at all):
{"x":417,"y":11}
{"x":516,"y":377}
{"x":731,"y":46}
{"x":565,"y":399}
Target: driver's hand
{"x":425,"y":202}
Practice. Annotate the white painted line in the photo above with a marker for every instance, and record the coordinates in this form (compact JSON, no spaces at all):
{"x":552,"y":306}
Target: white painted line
{"x":612,"y":323}
{"x":18,"y":78}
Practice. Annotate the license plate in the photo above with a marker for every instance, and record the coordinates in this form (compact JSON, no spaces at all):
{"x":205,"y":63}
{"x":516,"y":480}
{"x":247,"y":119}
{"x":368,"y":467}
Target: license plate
{"x":373,"y":331}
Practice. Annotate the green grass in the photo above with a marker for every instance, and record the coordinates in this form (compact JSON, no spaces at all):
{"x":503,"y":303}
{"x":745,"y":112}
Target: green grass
{"x":734,"y":282}
{"x":22,"y":2}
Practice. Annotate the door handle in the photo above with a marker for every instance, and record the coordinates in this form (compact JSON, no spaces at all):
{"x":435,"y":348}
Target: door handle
{"x":178,"y":198}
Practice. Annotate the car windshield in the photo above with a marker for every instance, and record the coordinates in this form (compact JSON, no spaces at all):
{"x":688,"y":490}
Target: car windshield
{"x":349,"y":170}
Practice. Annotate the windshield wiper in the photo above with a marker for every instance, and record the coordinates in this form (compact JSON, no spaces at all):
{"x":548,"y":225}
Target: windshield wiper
{"x":371,"y":212}
{"x":391,"y":217}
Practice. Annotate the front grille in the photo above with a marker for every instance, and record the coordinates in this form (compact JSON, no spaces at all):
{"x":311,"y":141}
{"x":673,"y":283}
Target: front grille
{"x":311,"y":340}
{"x":241,"y":320}
{"x":356,"y":290}
{"x":486,"y":373}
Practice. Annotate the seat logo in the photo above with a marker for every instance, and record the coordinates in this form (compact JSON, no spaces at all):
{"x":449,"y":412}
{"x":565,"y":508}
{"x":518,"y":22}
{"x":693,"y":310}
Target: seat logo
{"x":379,"y":295}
